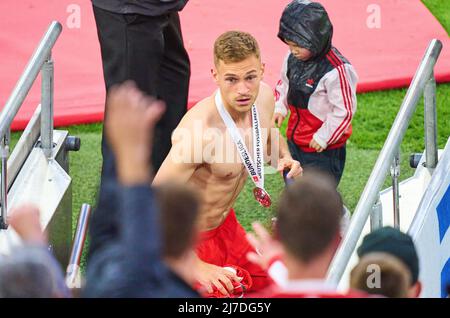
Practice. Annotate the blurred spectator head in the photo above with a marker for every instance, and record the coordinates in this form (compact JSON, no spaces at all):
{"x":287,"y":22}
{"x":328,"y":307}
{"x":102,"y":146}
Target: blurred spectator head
{"x":309,"y":216}
{"x":179,"y":207}
{"x":31,"y":272}
{"x":393,"y":241}
{"x":381,"y":274}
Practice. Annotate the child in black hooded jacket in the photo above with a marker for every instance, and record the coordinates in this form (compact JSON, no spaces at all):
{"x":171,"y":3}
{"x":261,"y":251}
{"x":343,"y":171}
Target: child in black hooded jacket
{"x":317,"y":86}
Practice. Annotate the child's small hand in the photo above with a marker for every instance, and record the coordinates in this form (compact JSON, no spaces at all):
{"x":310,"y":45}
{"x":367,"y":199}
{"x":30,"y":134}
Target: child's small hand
{"x":277,"y":119}
{"x":315,"y":145}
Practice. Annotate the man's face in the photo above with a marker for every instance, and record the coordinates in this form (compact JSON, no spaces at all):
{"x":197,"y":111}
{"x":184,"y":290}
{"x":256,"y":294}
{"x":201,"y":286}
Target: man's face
{"x":299,"y":52}
{"x":239,"y":82}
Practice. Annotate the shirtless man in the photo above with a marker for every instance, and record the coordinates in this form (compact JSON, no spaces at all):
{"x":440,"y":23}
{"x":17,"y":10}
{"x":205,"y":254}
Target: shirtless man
{"x":205,"y":162}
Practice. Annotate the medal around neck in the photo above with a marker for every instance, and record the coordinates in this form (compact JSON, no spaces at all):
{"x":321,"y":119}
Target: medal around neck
{"x":256,"y":172}
{"x":262,"y":197}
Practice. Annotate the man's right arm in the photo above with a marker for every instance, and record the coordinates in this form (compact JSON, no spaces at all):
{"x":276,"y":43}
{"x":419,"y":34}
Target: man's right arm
{"x":180,"y":163}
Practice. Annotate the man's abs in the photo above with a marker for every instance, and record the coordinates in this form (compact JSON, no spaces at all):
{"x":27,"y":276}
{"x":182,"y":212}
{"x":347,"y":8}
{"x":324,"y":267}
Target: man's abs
{"x":218,"y":193}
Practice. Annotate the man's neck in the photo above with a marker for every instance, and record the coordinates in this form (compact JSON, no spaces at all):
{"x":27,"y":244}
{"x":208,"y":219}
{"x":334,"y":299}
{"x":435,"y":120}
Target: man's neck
{"x":316,"y":269}
{"x":306,"y":273}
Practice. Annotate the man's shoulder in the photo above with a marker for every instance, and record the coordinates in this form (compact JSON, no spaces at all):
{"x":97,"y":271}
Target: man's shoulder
{"x":266,"y":99}
{"x":201,"y":113}
{"x":265,"y":95}
{"x":266,"y":91}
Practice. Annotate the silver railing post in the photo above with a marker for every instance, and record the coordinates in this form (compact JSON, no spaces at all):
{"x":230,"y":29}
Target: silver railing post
{"x":376,"y":215}
{"x":395,"y":173}
{"x":47,"y":107}
{"x":4,"y":153}
{"x":430,"y":114}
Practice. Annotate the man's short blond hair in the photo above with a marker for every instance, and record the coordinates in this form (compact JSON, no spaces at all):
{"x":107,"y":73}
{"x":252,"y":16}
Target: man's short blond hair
{"x":235,"y":46}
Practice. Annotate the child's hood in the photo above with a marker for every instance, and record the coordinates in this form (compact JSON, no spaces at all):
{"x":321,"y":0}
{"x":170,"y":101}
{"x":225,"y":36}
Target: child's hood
{"x":307,"y":24}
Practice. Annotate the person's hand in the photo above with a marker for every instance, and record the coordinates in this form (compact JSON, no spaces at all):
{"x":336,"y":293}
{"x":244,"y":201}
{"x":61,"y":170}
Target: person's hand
{"x":130,"y":120}
{"x":267,"y":248}
{"x":277,"y":119}
{"x":25,"y":220}
{"x":316,"y":146}
{"x":210,"y":276}
{"x":290,"y":164}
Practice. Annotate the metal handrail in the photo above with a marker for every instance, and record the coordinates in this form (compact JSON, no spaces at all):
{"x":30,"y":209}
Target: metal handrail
{"x":370,"y":194}
{"x":29,"y":75}
{"x":40,"y":61}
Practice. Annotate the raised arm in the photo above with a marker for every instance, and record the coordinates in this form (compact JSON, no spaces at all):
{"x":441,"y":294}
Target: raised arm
{"x":129,"y":129}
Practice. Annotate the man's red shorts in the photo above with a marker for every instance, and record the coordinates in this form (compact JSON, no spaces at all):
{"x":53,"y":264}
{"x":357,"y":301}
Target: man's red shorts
{"x":227,"y":245}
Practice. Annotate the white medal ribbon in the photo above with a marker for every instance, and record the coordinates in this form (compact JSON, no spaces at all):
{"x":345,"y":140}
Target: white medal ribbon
{"x":256,"y":174}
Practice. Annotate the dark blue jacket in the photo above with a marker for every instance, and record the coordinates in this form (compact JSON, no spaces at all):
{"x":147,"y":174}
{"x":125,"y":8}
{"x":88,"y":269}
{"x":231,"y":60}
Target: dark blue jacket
{"x":131,"y":265}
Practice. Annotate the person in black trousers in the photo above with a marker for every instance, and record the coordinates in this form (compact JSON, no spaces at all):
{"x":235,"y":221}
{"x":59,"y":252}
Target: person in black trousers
{"x":141,"y":41}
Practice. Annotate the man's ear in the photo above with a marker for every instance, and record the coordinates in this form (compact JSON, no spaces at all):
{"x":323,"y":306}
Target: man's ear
{"x":263,"y":67}
{"x":215,"y":75}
